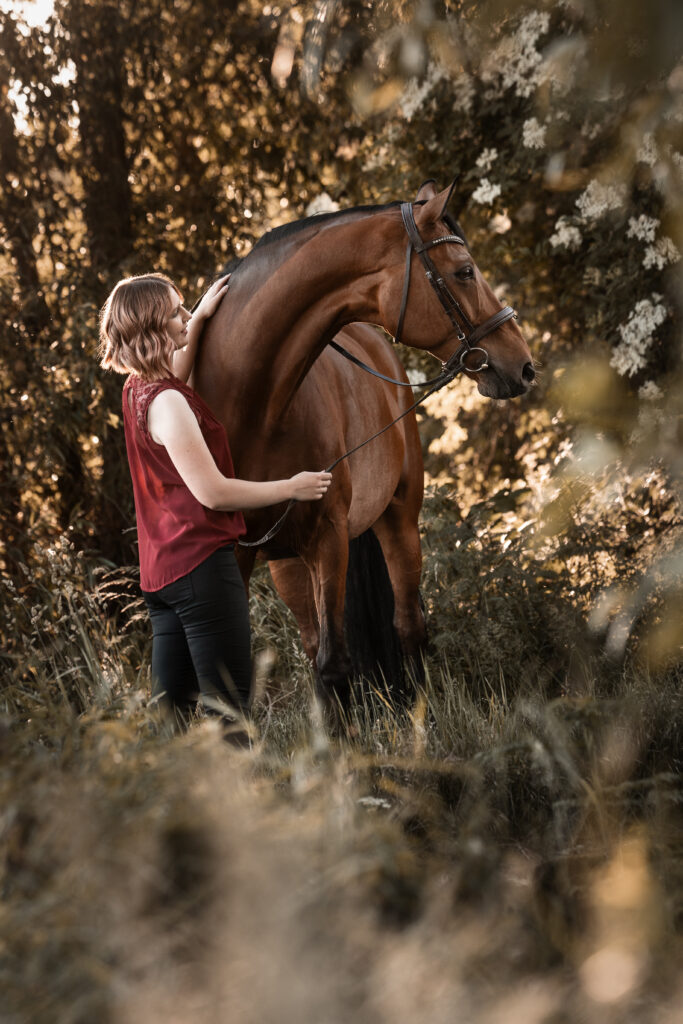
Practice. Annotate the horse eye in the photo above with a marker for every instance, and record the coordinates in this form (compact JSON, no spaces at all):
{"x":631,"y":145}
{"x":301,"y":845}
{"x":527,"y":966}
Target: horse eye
{"x":465,"y":273}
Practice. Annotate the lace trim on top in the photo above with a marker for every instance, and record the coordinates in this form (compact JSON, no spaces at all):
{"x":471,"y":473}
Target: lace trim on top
{"x":143,"y":391}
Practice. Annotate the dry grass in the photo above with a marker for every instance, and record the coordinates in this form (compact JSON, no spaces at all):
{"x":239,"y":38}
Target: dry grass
{"x":503,"y":852}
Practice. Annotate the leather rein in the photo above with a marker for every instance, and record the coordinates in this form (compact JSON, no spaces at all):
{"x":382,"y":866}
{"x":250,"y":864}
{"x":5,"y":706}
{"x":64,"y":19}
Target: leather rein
{"x":466,"y":332}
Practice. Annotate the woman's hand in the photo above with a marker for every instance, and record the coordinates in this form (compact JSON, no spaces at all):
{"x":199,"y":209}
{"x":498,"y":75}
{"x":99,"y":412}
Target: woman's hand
{"x":310,"y":486}
{"x":210,"y":300}
{"x":183,"y":359}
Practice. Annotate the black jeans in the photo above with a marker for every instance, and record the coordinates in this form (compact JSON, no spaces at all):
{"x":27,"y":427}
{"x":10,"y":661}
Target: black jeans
{"x":202,"y":641}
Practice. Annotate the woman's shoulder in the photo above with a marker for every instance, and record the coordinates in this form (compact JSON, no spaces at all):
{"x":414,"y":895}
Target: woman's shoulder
{"x":176,"y":394}
{"x":146,"y":390}
{"x":170,"y":398}
{"x":139,"y":394}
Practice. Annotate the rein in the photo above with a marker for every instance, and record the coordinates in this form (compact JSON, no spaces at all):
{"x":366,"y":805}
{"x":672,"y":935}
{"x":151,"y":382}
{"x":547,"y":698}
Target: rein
{"x":466,"y":332}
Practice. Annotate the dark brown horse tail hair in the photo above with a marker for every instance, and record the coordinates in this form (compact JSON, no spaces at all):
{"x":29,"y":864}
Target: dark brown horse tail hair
{"x":371,"y":639}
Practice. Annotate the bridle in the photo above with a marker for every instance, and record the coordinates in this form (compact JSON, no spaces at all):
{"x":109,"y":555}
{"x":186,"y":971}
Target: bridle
{"x":466,"y":332}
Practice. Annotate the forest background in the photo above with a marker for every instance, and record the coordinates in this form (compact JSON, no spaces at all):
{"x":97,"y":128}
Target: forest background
{"x":539,"y":776}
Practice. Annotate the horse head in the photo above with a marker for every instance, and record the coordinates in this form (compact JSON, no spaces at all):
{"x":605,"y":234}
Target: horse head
{"x":451,"y":308}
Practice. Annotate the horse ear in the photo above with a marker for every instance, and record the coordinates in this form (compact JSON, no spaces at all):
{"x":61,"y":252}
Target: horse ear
{"x":449,"y":196}
{"x":427,"y":190}
{"x":435,"y":207}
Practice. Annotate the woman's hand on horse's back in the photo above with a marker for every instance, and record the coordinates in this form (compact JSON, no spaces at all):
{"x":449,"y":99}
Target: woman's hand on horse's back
{"x":210,"y":300}
{"x":310,"y":486}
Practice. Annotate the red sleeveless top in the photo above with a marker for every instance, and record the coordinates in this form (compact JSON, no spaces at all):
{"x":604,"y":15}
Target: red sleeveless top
{"x":175,"y":531}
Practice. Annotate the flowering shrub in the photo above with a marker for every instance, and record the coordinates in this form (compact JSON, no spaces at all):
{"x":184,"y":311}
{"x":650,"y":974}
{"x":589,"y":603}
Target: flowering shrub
{"x":583,"y":161}
{"x":516,"y":62}
{"x":564,"y":134}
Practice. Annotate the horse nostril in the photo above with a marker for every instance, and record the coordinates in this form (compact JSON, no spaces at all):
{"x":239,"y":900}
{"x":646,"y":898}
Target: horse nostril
{"x":528,"y":373}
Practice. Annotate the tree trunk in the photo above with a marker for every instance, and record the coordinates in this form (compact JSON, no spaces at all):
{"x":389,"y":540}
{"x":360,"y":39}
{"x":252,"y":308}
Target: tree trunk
{"x":97,"y":53}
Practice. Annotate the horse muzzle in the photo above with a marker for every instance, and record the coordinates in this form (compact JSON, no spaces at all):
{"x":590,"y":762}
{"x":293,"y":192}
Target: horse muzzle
{"x":494,"y":382}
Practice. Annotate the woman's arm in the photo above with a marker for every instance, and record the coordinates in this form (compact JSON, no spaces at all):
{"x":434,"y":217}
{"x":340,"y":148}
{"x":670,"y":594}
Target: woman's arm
{"x":172,"y":423}
{"x":183,"y":358}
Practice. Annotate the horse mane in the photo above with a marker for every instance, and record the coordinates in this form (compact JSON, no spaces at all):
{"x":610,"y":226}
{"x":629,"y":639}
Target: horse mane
{"x":293,"y":227}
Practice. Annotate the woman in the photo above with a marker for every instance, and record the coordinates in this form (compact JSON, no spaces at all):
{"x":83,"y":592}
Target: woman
{"x":187,"y":500}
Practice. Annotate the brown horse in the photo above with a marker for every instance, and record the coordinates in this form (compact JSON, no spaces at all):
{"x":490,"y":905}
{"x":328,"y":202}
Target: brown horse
{"x":289,"y":403}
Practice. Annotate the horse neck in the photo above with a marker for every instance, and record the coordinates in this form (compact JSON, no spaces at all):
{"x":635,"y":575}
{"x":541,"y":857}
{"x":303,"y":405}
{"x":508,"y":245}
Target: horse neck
{"x":278,"y":317}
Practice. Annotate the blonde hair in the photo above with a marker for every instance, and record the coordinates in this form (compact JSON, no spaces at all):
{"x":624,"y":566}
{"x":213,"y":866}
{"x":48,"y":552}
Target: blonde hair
{"x":133,"y":335}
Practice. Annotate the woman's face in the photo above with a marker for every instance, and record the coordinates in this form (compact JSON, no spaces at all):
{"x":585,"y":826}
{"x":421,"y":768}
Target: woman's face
{"x":177,"y":319}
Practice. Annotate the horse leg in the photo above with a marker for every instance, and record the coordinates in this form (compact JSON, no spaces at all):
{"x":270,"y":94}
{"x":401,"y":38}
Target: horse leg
{"x":327,"y":562}
{"x":293,"y":583}
{"x":397,"y":532}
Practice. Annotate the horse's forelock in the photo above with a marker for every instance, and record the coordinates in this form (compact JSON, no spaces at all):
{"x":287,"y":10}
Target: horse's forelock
{"x":456,"y":227}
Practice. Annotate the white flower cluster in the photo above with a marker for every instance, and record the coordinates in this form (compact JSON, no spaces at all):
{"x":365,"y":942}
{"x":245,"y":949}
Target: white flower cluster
{"x":415,"y":92}
{"x":661,"y":254}
{"x":321,"y":204}
{"x":649,"y":391}
{"x":416,"y":377}
{"x":378,"y":156}
{"x":500,"y":223}
{"x":651,"y":414}
{"x":643,"y":228}
{"x":486,"y":159}
{"x":647,"y":153}
{"x":636,"y":335}
{"x":486,"y":191}
{"x":599,"y":199}
{"x":567,"y":235}
{"x":463,"y":90}
{"x":533,"y":134}
{"x":515,"y":62}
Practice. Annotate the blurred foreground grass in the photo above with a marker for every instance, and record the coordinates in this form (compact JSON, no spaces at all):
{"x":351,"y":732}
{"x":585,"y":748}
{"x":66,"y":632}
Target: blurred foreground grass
{"x":508,"y":851}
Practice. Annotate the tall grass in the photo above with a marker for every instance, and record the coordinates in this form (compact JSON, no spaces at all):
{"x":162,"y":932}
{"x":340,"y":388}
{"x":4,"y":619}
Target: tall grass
{"x":508,"y":848}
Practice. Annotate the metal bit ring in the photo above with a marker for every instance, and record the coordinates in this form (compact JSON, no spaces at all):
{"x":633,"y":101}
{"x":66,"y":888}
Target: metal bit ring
{"x":475,"y":369}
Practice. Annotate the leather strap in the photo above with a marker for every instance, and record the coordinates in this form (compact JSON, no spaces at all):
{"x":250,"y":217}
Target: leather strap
{"x":404,"y":296}
{"x":368,"y":369}
{"x":491,"y":325}
{"x":391,"y":380}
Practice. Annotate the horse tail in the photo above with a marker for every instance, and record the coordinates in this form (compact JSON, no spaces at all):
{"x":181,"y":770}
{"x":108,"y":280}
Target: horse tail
{"x":371,"y":638}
